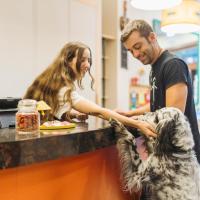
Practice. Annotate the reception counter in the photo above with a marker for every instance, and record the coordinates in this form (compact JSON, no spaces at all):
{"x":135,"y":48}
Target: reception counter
{"x":18,"y":150}
{"x":75,"y":164}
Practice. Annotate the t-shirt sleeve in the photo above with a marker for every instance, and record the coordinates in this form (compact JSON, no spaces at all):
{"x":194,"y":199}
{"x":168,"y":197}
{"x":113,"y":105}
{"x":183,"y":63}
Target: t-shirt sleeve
{"x":175,"y":71}
{"x":75,"y":97}
{"x":64,"y":106}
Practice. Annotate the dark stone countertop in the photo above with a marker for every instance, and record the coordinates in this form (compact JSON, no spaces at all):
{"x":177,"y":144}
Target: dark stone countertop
{"x":48,"y":145}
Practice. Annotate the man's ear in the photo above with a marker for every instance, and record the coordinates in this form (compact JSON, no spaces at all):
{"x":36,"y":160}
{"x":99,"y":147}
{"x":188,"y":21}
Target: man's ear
{"x":152,"y":37}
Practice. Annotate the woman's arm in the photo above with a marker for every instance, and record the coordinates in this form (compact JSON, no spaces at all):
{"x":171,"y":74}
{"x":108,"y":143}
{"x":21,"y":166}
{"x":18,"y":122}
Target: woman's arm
{"x":91,"y":108}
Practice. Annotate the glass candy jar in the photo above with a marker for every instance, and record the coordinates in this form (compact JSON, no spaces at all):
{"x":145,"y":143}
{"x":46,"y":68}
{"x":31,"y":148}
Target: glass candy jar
{"x":27,"y":117}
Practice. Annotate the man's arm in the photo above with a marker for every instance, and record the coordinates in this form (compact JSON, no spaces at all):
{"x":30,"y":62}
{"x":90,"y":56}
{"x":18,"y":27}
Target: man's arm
{"x":176,"y":96}
{"x":138,"y":111}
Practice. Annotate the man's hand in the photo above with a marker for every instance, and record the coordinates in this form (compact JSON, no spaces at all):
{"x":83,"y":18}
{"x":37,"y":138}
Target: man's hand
{"x":124,"y":113}
{"x":135,"y":112}
{"x":147,"y":129}
{"x":136,"y":117}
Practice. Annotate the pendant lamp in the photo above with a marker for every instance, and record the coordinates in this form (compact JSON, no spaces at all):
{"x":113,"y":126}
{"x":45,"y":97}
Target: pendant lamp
{"x":154,"y":4}
{"x":183,"y":18}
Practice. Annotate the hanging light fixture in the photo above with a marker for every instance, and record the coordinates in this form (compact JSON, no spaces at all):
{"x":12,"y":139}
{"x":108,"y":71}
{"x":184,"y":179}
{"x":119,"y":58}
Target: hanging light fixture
{"x":183,"y":18}
{"x":154,"y":4}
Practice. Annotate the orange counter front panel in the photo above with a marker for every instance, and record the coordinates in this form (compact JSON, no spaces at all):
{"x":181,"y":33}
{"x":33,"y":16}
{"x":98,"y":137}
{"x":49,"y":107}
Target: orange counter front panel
{"x":88,"y":176}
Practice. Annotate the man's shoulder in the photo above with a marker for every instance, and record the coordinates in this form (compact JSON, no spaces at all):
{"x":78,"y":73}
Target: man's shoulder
{"x":170,"y":58}
{"x":174,"y":64}
{"x":165,"y":59}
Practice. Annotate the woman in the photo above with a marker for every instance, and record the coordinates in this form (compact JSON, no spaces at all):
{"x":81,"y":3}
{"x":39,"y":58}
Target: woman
{"x":56,"y":86}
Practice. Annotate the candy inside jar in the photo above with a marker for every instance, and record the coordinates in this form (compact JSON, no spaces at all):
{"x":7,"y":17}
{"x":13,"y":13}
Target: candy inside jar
{"x":27,"y":117}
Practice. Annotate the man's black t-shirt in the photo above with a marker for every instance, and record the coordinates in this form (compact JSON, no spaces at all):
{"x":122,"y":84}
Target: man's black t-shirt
{"x":169,"y":70}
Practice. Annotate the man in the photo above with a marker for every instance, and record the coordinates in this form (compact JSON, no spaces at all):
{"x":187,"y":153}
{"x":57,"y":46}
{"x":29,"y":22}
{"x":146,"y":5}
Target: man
{"x":170,"y":80}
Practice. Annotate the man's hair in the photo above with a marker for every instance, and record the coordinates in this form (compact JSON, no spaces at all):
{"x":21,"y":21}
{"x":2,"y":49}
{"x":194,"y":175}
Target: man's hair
{"x":136,"y":25}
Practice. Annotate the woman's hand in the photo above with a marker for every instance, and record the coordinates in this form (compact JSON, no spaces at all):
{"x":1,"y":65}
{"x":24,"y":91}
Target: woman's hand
{"x":78,"y":115}
{"x":147,"y":129}
{"x":81,"y":116}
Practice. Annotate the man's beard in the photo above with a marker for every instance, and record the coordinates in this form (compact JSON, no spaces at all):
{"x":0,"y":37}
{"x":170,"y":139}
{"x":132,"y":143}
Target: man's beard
{"x":148,"y":53}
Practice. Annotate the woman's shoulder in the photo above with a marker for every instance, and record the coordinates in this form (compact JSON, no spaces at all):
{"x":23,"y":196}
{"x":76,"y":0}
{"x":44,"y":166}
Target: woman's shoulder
{"x":64,"y":89}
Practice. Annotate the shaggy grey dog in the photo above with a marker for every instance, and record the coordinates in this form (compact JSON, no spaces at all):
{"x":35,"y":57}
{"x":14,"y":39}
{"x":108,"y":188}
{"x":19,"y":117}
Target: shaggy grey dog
{"x":171,"y":171}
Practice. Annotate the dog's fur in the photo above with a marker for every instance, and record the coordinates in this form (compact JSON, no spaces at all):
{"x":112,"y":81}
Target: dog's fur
{"x":171,"y":170}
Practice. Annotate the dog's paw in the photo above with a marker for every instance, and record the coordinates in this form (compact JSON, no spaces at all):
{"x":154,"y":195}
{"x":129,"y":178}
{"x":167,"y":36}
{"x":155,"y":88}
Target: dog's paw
{"x":119,"y":127}
{"x":120,"y":130}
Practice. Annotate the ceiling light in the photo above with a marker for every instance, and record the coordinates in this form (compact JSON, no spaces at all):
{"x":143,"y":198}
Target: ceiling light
{"x":183,"y":18}
{"x":154,"y":4}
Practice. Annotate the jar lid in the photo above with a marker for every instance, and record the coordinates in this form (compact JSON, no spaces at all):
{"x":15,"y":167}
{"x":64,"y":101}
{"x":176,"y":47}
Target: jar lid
{"x":27,"y":102}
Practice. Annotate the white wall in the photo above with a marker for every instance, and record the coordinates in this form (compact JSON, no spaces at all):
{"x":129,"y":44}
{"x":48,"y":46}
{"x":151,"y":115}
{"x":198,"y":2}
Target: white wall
{"x":124,"y":75}
{"x":33,"y":31}
{"x":16,"y":39}
{"x":85,"y":26}
{"x":51,"y":32}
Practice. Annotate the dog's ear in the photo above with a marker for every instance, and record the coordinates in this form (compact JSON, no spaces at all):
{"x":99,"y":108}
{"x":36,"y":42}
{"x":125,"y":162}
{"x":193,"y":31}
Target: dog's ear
{"x":166,"y":130}
{"x":166,"y":125}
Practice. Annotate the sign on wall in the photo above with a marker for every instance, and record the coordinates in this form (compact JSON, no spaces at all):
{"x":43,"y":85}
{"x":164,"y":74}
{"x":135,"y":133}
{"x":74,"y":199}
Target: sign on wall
{"x":124,"y":57}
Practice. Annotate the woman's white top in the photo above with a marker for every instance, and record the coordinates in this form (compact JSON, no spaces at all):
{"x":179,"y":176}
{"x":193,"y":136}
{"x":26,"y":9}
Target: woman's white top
{"x":64,"y":107}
